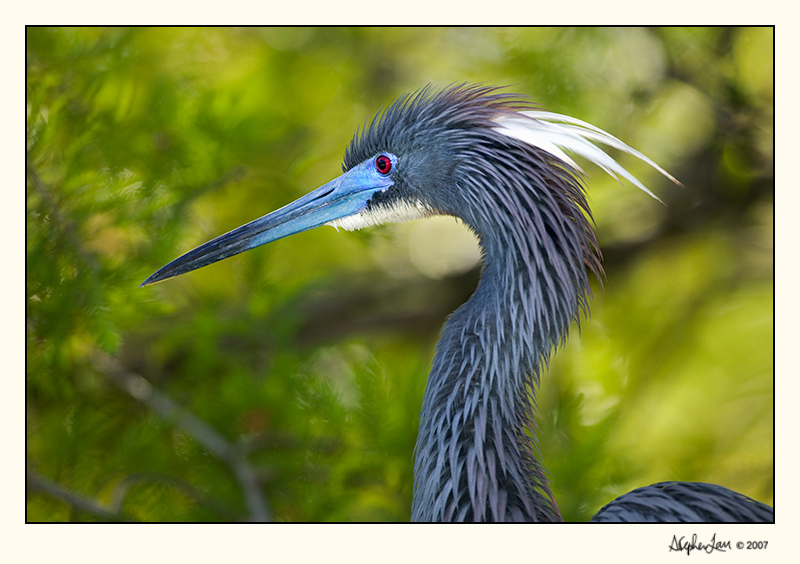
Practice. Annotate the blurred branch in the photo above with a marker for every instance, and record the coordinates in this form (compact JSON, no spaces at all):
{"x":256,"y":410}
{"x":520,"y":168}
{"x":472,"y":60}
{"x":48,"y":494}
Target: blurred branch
{"x":167,"y":409}
{"x":34,"y":481}
{"x":358,"y":305}
{"x":122,"y":488}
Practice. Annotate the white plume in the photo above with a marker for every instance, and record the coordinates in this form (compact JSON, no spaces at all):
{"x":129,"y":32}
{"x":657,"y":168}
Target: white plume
{"x":556,"y":133}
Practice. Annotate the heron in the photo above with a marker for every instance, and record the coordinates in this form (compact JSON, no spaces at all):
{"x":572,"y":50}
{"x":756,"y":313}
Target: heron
{"x":502,"y":166}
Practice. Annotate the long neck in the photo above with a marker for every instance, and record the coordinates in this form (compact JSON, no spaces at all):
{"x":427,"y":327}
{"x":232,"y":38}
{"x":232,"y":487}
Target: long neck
{"x":476,"y":454}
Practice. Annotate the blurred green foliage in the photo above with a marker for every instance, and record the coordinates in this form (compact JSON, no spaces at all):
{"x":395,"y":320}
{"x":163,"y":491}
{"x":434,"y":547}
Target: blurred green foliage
{"x":306,"y":360}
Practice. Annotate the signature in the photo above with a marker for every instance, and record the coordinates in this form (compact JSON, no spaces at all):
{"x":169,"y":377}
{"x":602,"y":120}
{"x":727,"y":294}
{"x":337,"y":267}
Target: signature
{"x":693,"y":544}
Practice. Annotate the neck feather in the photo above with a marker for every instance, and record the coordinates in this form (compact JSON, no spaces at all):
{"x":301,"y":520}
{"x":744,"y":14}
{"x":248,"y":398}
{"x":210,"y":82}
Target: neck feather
{"x":476,"y":454}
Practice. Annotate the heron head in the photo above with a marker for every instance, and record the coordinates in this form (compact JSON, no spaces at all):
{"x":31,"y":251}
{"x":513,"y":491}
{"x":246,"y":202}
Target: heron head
{"x":466,"y":151}
{"x":386,"y":168}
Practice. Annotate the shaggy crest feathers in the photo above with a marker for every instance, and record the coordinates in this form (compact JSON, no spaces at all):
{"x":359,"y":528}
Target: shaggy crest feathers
{"x":418,"y":118}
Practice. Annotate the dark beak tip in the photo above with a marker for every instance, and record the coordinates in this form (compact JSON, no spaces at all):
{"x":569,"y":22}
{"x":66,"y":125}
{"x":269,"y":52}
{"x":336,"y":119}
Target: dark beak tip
{"x":150,"y":280}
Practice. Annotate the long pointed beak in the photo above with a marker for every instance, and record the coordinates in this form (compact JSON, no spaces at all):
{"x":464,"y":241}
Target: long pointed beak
{"x":346,"y":195}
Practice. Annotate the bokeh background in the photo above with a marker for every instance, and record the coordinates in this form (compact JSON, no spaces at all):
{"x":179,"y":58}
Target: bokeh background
{"x":285,"y":383}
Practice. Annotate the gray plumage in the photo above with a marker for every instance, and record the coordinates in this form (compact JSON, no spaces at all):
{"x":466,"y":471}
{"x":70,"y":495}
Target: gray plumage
{"x":684,"y":502}
{"x":500,"y":166}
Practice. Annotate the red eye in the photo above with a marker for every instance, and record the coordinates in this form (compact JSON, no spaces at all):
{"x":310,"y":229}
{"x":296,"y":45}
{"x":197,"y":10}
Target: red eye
{"x":383,"y":164}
